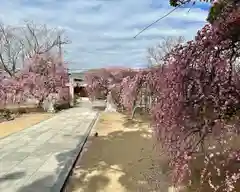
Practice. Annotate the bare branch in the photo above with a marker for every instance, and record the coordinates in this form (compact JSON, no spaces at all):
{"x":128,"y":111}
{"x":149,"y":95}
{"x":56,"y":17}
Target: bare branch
{"x":40,"y":39}
{"x":9,"y":49}
{"x":156,"y":53}
{"x":19,"y":43}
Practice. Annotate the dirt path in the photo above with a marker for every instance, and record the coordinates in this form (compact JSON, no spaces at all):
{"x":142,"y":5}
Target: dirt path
{"x":22,"y":122}
{"x":119,"y":159}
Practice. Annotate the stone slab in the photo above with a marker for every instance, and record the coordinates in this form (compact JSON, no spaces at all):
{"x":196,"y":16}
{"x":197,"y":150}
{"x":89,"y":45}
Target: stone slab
{"x":39,"y":158}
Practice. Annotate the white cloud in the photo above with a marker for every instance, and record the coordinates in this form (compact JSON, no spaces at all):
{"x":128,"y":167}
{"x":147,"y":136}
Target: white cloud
{"x":102,"y":31}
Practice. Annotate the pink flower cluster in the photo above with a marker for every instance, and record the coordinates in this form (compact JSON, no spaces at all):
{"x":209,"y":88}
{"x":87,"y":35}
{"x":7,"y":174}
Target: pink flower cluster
{"x":41,"y":76}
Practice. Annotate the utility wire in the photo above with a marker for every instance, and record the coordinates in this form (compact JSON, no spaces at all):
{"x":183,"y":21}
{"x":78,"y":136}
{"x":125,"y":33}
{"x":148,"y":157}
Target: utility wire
{"x":194,"y":2}
{"x":144,"y":29}
{"x":103,"y":52}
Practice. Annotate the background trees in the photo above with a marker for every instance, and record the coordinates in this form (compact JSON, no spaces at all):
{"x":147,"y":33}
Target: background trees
{"x":31,"y":64}
{"x":155,"y":54}
{"x":196,"y":98}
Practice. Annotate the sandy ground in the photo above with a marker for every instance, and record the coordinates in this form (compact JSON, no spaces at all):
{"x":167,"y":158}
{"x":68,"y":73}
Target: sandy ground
{"x":120,"y":159}
{"x":123,"y":159}
{"x":22,"y":122}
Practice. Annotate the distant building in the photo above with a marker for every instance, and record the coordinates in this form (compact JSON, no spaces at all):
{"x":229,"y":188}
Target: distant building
{"x":78,"y":84}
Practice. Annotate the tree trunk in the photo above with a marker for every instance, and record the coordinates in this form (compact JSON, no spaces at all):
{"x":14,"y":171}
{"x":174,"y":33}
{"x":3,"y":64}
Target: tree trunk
{"x":111,"y":107}
{"x":48,"y":104}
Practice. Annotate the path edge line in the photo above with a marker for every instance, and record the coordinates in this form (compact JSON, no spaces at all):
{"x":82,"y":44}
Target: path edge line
{"x":92,"y":127}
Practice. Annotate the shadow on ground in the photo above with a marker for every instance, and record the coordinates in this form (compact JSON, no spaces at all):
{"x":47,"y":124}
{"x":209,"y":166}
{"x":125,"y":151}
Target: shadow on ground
{"x":12,"y":176}
{"x":140,"y":120}
{"x":45,"y":184}
{"x":119,"y":159}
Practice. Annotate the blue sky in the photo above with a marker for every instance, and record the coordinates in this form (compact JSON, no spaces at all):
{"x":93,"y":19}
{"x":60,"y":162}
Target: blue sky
{"x":102,"y":31}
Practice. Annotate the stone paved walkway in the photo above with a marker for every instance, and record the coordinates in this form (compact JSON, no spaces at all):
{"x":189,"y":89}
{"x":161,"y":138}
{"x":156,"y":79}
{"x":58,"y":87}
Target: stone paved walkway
{"x":39,"y":158}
